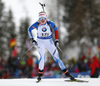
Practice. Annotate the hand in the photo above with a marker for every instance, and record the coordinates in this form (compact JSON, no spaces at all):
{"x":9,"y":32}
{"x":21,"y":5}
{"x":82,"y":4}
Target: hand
{"x":34,"y":42}
{"x":56,"y":43}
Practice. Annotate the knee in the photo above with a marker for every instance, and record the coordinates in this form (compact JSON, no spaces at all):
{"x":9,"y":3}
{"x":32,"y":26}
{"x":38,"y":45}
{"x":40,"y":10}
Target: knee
{"x":57,"y":60}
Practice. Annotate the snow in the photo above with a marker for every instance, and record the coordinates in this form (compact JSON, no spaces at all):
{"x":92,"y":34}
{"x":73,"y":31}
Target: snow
{"x":48,"y":82}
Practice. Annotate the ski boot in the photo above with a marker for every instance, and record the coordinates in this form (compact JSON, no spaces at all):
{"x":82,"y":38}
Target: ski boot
{"x":68,"y":74}
{"x":38,"y":79}
{"x":40,"y":73}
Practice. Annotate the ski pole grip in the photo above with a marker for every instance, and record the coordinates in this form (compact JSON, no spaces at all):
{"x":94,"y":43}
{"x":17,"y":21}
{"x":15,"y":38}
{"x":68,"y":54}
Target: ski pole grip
{"x":43,"y":5}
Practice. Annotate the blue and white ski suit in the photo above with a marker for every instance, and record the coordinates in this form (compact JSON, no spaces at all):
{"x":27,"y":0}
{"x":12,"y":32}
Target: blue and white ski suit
{"x":44,"y":40}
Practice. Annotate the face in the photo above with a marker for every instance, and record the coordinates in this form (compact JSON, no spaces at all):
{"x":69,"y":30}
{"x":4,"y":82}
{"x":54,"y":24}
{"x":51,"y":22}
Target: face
{"x":42,"y":20}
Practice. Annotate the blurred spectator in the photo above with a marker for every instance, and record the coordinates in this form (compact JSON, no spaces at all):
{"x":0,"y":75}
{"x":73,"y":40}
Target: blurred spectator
{"x":27,"y":67}
{"x":76,"y":70}
{"x":89,"y":62}
{"x":71,"y":63}
{"x":29,"y":64}
{"x":94,"y":67}
{"x":22,"y":68}
{"x":83,"y":64}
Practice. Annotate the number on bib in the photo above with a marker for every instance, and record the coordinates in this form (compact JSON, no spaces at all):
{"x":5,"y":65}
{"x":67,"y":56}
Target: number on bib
{"x":44,"y":34}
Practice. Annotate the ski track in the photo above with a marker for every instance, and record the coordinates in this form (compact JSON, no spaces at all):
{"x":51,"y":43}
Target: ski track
{"x":48,"y":82}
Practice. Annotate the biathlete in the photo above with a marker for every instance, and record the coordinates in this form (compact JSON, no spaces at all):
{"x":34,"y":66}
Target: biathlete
{"x":44,"y":40}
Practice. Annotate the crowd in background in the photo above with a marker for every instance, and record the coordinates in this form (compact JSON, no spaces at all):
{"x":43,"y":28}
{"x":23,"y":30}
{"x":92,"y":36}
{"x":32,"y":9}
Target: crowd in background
{"x":28,"y":68}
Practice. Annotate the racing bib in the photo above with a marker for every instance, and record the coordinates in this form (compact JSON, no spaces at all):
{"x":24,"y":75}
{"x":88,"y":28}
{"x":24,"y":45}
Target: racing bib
{"x":44,"y":34}
{"x":44,"y":31}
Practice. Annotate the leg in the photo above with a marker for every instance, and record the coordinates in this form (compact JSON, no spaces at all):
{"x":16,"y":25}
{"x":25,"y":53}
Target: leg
{"x":40,"y":73}
{"x":62,"y":66}
{"x":41,"y":50}
{"x":54,"y":52}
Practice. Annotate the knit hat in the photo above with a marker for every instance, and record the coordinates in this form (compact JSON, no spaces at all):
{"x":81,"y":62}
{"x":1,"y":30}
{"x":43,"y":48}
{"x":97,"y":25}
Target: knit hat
{"x":42,"y":14}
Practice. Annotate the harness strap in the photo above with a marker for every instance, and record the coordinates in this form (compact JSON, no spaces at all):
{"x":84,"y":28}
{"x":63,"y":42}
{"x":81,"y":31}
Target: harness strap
{"x":48,"y":25}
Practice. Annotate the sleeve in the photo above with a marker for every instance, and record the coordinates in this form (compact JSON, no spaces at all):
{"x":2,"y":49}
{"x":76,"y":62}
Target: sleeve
{"x":55,"y":29}
{"x":31,"y":28}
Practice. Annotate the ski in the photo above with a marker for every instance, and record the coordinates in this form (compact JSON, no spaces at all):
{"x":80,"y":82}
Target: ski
{"x":76,"y":80}
{"x":38,"y":80}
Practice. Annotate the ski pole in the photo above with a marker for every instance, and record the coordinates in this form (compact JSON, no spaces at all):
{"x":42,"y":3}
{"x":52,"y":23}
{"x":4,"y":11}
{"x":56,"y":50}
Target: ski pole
{"x":43,"y":5}
{"x":62,"y":52}
{"x":25,"y":52}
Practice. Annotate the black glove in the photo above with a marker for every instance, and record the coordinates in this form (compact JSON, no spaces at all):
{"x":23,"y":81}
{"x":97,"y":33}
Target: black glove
{"x":34,"y":42}
{"x":56,"y":43}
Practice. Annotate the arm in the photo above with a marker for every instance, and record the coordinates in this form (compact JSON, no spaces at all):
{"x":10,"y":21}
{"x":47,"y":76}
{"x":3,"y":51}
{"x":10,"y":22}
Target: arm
{"x":55,"y":29}
{"x":56,"y":33}
{"x":30,"y":32}
{"x":31,"y":28}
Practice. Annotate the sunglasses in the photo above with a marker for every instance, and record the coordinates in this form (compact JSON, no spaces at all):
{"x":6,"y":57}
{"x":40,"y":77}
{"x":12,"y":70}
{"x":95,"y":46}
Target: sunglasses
{"x":42,"y":18}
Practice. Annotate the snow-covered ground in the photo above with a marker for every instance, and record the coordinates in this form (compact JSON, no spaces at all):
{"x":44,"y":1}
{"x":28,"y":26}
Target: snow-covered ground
{"x":48,"y":82}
